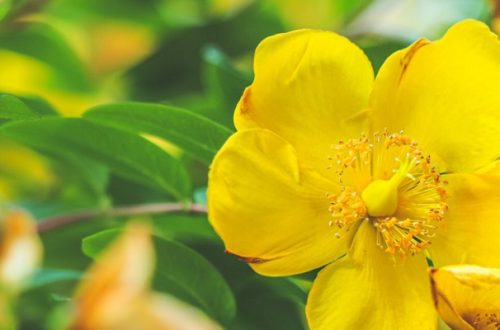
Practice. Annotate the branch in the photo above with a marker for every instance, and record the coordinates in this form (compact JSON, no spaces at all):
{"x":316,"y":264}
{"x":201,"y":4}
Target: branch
{"x":154,"y":208}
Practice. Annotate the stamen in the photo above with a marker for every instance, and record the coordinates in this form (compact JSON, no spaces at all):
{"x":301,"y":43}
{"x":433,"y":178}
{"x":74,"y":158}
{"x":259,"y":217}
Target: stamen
{"x":421,"y":197}
{"x":486,"y":321}
{"x":346,"y":209}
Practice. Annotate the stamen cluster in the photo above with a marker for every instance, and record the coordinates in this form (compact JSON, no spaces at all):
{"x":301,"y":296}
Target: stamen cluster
{"x":346,"y":209}
{"x":486,"y":321}
{"x":421,"y":195}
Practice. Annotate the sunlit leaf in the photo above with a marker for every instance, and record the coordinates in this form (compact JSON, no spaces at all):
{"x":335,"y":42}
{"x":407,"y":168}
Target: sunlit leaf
{"x":195,"y":134}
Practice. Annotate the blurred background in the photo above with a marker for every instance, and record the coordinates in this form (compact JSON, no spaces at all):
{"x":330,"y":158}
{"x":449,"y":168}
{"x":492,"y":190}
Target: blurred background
{"x":63,"y":57}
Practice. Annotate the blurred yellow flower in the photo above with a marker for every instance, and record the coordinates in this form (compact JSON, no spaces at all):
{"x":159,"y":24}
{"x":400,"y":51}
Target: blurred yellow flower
{"x":20,"y":254}
{"x":331,"y":166}
{"x":467,"y":297}
{"x":20,"y":249}
{"x":105,"y":46}
{"x":115,"y":294}
{"x":26,"y":76}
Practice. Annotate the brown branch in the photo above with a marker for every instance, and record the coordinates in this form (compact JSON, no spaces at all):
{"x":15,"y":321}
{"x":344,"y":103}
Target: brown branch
{"x":154,"y":208}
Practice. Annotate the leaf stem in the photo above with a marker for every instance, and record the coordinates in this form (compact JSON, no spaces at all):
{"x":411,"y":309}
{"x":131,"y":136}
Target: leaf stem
{"x":154,"y":208}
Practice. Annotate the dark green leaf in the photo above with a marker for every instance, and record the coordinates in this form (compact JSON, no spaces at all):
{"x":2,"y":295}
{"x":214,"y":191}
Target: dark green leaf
{"x":92,"y":175}
{"x":175,"y":68}
{"x":181,"y":272}
{"x":39,"y":105}
{"x":184,"y":227}
{"x":378,"y":51}
{"x":195,"y":134}
{"x":260,"y":308}
{"x":223,"y":83}
{"x":128,"y":155}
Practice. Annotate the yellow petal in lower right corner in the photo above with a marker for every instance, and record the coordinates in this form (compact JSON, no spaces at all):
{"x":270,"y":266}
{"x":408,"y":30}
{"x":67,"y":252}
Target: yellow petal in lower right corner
{"x":467,"y":296}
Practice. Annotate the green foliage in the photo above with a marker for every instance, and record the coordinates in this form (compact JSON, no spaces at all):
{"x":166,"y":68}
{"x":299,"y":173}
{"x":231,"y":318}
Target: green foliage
{"x":157,"y":79}
{"x":129,"y":155}
{"x":169,"y":123}
{"x":13,"y":108}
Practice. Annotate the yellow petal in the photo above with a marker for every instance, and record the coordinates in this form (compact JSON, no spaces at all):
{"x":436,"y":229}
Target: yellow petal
{"x":467,"y":296}
{"x":119,"y":277}
{"x":367,"y":290}
{"x":20,"y":248}
{"x":308,"y":84}
{"x":268,"y":209}
{"x":471,"y":227}
{"x":445,"y":96}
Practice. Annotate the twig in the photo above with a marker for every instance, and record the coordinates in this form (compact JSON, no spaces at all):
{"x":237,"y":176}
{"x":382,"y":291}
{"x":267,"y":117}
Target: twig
{"x":154,"y":208}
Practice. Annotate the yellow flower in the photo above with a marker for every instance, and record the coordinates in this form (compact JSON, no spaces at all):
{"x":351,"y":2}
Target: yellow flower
{"x":115,"y":293}
{"x":20,"y":249}
{"x":467,"y":296}
{"x":330,"y":166}
{"x":20,"y":254}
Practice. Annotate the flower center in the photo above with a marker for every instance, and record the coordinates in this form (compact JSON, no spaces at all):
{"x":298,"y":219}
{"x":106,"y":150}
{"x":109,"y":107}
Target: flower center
{"x":387,"y":180}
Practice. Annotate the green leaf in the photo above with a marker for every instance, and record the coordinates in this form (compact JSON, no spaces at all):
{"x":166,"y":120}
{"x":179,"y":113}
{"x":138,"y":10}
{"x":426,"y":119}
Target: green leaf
{"x":283,"y":287}
{"x":181,"y":272}
{"x":261,"y":310}
{"x":195,"y":134}
{"x":184,"y":227}
{"x":261,"y":306}
{"x":128,"y":155}
{"x":92,"y":176}
{"x":39,"y":105}
{"x":48,"y":276}
{"x":13,"y":108}
{"x":62,"y":246}
{"x":348,"y":9}
{"x":5,"y":6}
